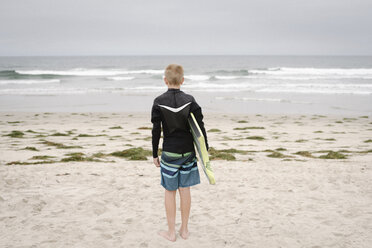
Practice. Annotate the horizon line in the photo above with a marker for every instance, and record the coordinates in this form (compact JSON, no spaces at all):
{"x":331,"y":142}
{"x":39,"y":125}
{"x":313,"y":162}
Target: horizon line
{"x":155,"y":55}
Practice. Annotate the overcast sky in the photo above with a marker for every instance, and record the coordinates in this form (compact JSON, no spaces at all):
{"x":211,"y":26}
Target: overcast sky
{"x":172,"y":27}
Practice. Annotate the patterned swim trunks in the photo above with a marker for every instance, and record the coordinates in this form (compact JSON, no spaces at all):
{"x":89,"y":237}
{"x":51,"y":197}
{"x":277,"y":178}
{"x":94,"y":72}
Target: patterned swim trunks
{"x":178,"y":170}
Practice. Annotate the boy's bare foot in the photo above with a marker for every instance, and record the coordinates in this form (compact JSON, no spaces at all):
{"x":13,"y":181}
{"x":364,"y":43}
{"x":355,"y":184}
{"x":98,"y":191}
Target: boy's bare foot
{"x":184,"y":234}
{"x":168,"y":235}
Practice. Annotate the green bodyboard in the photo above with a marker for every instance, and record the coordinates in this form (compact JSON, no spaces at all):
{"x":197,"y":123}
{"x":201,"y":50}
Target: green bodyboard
{"x":201,"y":148}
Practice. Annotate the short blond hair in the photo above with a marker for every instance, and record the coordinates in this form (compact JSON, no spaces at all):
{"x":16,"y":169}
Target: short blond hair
{"x":174,"y":74}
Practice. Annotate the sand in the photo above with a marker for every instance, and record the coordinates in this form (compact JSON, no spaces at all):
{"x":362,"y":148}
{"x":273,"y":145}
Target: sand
{"x":258,"y":201}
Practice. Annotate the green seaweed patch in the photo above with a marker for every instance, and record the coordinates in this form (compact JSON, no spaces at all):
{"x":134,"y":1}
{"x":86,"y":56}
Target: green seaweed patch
{"x":338,"y":122}
{"x":81,"y":157}
{"x":304,"y":154}
{"x":15,"y":134}
{"x":255,"y":138}
{"x":40,"y":136}
{"x":233,"y":150}
{"x":14,"y":122}
{"x":333,"y":155}
{"x":245,"y":128}
{"x":99,"y":155}
{"x":82,"y":135}
{"x":75,"y":154}
{"x":280,"y":149}
{"x":319,"y":131}
{"x":30,"y":131}
{"x":145,"y":128}
{"x":214,"y":130}
{"x":364,"y":116}
{"x":220,"y":155}
{"x":58,"y":145}
{"x":29,"y":163}
{"x":60,"y":134}
{"x":136,"y":153}
{"x":242,"y":121}
{"x":42,"y":157}
{"x":31,"y":148}
{"x":366,"y":151}
{"x":349,"y":119}
{"x":276,"y":155}
{"x":344,"y":151}
{"x":135,"y":133}
{"x":300,"y":140}
{"x":330,"y":139}
{"x":116,"y":127}
{"x":368,"y":141}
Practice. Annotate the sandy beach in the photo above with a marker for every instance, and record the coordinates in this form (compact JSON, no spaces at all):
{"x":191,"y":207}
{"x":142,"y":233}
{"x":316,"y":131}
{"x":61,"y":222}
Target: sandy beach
{"x":87,"y":180}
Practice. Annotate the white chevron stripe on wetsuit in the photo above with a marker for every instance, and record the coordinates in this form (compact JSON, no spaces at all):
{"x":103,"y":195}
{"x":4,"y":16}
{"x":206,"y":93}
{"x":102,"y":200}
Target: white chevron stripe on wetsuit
{"x":175,"y":110}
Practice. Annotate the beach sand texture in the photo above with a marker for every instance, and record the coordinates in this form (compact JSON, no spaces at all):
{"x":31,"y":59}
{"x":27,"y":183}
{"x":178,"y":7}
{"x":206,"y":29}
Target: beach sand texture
{"x":280,"y":188}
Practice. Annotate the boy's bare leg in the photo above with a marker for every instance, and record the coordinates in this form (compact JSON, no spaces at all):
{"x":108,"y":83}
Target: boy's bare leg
{"x":170,"y":208}
{"x":185,"y":211}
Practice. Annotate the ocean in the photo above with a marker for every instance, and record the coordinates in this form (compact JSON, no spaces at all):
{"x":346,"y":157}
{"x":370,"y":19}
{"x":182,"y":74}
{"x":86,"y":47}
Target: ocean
{"x":220,"y":84}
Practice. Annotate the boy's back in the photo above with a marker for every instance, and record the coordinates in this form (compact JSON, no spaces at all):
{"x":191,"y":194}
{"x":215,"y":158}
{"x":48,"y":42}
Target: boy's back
{"x":171,"y":110}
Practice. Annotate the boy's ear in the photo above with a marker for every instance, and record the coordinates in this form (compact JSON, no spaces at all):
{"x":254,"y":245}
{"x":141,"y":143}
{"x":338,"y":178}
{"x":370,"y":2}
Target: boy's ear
{"x":165,"y":81}
{"x":183,"y":80}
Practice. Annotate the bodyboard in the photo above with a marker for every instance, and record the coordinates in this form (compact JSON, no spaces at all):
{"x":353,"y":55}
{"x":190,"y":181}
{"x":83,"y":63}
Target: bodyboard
{"x":201,"y":148}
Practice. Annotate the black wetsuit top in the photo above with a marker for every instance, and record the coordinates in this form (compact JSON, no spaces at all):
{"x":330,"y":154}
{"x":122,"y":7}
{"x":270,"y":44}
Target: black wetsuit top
{"x":171,"y":110}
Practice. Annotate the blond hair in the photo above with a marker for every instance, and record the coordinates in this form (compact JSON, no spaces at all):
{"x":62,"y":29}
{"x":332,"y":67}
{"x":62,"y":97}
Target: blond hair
{"x":174,"y":74}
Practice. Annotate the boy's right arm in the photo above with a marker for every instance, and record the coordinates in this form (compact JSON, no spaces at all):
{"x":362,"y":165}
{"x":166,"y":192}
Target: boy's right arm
{"x":156,"y":128}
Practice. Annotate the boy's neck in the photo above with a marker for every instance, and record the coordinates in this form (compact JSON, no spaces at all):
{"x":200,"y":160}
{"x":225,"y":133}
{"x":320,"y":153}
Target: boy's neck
{"x":173,"y":88}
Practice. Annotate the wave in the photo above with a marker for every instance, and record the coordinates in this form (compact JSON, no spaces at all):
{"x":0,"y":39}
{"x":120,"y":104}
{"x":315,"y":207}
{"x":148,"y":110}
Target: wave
{"x":227,"y":77}
{"x":41,"y":81}
{"x":87,"y":72}
{"x":120,"y":78}
{"x":242,"y":72}
{"x":262,"y":99}
{"x":314,"y":71}
{"x":197,"y":77}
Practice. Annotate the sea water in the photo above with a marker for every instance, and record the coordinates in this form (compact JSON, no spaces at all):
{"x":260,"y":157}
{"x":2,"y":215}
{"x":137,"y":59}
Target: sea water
{"x":220,"y":84}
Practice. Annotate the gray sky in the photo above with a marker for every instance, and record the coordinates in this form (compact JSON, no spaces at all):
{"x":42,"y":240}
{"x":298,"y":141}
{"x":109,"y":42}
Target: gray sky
{"x":163,"y":27}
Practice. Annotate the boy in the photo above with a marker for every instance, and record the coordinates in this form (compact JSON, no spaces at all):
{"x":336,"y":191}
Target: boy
{"x":178,"y":166}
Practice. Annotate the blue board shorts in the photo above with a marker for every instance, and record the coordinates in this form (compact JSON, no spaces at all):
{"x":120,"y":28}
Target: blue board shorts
{"x":178,"y":170}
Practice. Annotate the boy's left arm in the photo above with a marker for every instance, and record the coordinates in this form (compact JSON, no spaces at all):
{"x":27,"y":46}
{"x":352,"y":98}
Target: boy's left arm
{"x":156,"y":129}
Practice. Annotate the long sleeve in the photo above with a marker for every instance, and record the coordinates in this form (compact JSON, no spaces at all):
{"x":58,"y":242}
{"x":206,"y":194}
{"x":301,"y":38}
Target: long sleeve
{"x":197,"y":111}
{"x":156,"y":129}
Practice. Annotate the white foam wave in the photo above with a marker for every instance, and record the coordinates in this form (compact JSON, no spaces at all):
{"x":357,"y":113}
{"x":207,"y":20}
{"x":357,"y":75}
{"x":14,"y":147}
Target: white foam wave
{"x":315,"y":71}
{"x":197,"y":77}
{"x":314,"y":91}
{"x":120,"y":78}
{"x":262,"y":99}
{"x":41,"y":81}
{"x":228,"y":77}
{"x":88,"y":72}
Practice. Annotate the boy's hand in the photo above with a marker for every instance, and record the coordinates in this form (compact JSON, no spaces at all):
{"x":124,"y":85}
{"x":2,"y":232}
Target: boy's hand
{"x":157,"y":162}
